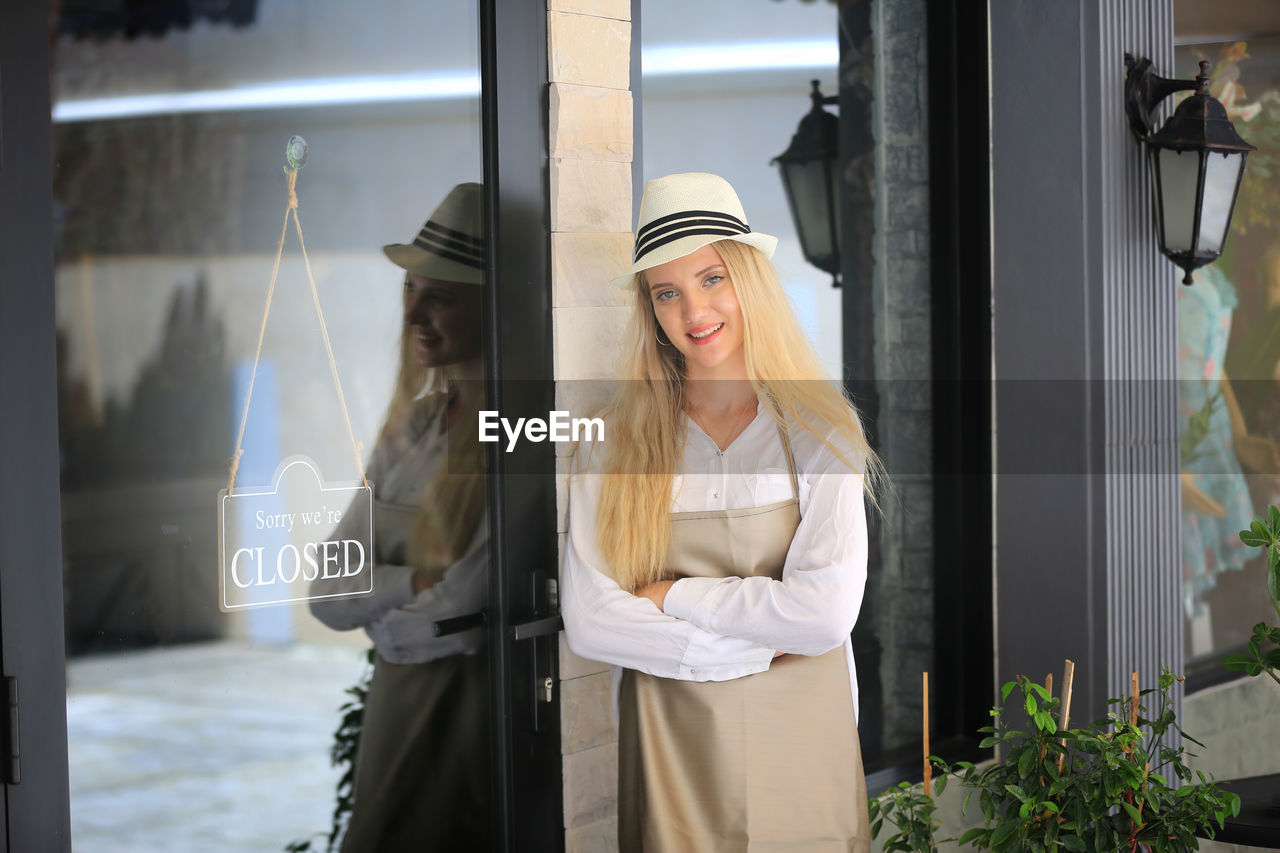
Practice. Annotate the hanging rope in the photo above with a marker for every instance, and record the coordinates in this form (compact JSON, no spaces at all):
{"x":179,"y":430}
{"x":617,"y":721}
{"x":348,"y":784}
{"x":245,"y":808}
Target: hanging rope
{"x":357,"y":447}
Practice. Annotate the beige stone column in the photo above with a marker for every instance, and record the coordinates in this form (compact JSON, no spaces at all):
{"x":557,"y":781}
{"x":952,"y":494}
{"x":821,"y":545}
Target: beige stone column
{"x":589,"y":57}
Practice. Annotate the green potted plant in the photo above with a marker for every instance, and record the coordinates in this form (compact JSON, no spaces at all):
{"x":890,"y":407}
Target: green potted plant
{"x":1264,"y":645}
{"x":1114,"y":785}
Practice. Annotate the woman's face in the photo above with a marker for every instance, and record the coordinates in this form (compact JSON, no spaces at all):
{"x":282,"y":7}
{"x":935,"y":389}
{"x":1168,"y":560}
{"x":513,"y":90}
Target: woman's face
{"x":445,"y":319}
{"x":696,"y":306}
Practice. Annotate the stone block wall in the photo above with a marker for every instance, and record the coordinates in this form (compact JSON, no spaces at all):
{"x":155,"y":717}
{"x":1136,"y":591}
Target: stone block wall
{"x":1237,"y":723}
{"x":591,"y":144}
{"x":901,"y":591}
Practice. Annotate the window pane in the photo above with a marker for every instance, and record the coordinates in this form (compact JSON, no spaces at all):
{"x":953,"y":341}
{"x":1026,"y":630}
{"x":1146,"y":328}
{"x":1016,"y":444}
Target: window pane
{"x":192,"y":727}
{"x":1228,"y":326}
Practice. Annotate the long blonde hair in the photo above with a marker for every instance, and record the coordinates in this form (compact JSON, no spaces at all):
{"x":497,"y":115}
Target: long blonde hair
{"x":452,"y":502}
{"x":647,"y":424}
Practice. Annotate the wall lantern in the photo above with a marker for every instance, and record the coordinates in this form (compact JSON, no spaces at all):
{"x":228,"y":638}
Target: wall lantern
{"x":811,"y":176}
{"x":1197,"y":160}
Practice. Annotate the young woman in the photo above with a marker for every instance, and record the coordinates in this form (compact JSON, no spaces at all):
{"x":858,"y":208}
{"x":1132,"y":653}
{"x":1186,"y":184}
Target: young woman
{"x":717,"y":549}
{"x":421,"y":773}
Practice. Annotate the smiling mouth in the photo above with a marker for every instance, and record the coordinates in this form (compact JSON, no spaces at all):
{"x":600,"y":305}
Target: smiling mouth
{"x":697,"y":336}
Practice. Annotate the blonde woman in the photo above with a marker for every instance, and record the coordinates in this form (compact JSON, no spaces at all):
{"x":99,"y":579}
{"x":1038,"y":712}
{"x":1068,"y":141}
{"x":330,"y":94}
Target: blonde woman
{"x":717,"y":549}
{"x":421,"y":771}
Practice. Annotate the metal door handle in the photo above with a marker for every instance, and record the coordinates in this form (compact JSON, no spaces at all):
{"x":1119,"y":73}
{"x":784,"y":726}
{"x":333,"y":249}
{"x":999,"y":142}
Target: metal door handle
{"x":457,"y":624}
{"x":537,"y":628}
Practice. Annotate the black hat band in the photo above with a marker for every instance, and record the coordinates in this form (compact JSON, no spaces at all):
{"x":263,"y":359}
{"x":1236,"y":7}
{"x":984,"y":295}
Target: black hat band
{"x":687,"y":223}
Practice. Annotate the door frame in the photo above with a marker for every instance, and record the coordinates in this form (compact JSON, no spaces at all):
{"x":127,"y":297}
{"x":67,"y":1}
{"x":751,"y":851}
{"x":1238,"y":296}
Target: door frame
{"x":523,"y":623}
{"x":35,"y":810}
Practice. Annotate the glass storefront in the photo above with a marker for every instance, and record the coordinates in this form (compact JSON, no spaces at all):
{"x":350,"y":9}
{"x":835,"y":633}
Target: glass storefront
{"x":1228,"y":339}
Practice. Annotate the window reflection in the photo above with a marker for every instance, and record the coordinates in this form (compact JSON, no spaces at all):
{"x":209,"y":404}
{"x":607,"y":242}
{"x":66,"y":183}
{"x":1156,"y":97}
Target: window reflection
{"x":191,"y":728}
{"x":1229,"y":361}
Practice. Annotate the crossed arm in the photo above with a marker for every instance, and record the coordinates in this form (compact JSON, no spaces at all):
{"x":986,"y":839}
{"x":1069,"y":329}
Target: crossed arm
{"x":721,"y":628}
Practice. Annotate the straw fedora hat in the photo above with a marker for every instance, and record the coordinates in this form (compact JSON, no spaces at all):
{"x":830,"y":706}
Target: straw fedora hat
{"x":682,"y":213}
{"x":450,"y":246}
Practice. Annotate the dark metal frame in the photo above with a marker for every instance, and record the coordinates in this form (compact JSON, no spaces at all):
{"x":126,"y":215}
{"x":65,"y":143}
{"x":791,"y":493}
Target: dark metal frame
{"x":523,"y":628}
{"x":960,"y":263}
{"x":34,"y":811}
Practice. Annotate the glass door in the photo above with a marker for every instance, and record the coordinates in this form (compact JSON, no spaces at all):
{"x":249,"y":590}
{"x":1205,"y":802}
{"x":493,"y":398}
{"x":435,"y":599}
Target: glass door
{"x":275,"y":319}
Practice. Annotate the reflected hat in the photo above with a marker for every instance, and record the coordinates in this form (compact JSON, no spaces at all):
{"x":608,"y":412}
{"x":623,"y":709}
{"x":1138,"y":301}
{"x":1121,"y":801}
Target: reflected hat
{"x":450,"y":245}
{"x":682,"y":213}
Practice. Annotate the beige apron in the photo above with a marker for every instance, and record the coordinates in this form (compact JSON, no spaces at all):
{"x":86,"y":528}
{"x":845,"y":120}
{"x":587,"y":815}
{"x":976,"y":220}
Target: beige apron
{"x":768,"y":762}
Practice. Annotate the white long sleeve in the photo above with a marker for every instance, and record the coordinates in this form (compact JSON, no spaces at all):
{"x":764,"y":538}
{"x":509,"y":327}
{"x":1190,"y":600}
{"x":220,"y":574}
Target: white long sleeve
{"x":815,"y":605}
{"x":399,"y":623}
{"x":603,"y":622}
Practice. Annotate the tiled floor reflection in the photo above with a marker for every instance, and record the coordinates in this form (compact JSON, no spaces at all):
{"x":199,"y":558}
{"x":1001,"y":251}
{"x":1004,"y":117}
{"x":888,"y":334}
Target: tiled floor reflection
{"x":210,"y":747}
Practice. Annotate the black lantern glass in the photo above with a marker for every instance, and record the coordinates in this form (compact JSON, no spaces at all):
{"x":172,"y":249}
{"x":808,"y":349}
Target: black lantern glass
{"x":810,"y":176}
{"x":1197,"y":161}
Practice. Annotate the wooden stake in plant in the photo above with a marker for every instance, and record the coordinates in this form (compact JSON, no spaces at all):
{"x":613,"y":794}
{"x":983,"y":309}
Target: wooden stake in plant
{"x":1133,"y":705}
{"x":1048,"y":688}
{"x":1064,"y":715}
{"x":928,"y":768}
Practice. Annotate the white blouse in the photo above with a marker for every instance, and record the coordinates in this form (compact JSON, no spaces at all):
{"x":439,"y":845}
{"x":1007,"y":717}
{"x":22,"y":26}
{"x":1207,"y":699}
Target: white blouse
{"x":716,"y":629}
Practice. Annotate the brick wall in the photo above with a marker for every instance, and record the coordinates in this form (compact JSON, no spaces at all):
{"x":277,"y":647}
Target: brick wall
{"x":589,"y":57}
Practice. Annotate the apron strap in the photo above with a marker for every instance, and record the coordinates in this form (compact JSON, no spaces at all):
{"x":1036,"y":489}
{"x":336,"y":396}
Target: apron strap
{"x":791,"y":460}
{"x":785,"y":435}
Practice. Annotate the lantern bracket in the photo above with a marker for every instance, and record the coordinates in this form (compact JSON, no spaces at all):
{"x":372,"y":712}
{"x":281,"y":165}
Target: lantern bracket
{"x":1144,"y":89}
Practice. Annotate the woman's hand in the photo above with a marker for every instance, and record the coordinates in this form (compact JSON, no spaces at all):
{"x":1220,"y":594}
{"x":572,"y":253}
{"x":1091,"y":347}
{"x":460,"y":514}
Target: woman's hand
{"x":421,"y":582}
{"x":655,"y":592}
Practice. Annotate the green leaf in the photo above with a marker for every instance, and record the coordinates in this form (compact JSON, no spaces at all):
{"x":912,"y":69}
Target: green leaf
{"x":1017,"y":792}
{"x":1273,"y":582}
{"x":1073,"y":842}
{"x":1032,"y":707}
{"x":1273,"y":519}
{"x":1003,"y":834}
{"x":1134,"y":814}
{"x":1006,"y":690}
{"x":974,"y":834}
{"x":1251,"y":539}
{"x":1026,"y":761}
{"x":1237,"y":661}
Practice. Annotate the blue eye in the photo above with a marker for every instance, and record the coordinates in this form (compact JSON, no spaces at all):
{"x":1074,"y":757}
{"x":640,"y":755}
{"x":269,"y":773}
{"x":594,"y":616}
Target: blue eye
{"x":713,"y":280}
{"x":665,"y":295}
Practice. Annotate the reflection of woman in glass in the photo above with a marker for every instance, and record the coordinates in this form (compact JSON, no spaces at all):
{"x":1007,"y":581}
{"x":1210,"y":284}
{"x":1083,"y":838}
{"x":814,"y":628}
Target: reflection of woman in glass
{"x":421,"y":778}
{"x":717,"y":549}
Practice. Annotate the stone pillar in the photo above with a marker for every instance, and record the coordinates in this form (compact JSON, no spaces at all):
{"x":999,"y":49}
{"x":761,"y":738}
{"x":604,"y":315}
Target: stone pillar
{"x":589,"y":56}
